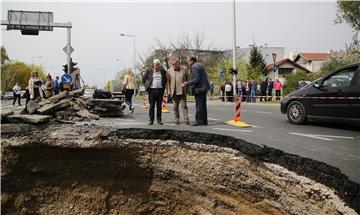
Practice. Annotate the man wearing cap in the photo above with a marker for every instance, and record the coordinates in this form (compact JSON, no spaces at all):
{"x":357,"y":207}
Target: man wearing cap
{"x":154,"y":81}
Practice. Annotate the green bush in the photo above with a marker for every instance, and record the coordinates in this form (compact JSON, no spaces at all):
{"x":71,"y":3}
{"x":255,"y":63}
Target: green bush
{"x":292,"y":81}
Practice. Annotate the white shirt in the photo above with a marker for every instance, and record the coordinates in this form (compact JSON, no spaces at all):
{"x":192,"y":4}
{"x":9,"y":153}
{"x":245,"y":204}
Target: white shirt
{"x":228,"y":87}
{"x":17,"y":90}
{"x":157,"y":80}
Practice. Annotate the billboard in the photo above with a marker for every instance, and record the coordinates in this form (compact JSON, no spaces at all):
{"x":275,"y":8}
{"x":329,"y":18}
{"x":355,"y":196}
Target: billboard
{"x":30,"y":20}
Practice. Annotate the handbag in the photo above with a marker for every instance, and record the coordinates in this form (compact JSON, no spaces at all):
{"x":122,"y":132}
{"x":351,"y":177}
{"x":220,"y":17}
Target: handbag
{"x":123,"y":90}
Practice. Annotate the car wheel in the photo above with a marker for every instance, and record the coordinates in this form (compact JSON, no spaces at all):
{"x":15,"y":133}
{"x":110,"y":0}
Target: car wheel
{"x":296,"y":113}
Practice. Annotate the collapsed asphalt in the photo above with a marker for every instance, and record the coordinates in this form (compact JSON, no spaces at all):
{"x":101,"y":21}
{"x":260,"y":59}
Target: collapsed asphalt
{"x":318,"y":171}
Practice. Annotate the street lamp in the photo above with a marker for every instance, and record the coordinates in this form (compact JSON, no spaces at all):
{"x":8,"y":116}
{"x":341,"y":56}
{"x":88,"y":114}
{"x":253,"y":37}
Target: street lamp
{"x":133,"y":36}
{"x":32,"y":59}
{"x":274,"y":55}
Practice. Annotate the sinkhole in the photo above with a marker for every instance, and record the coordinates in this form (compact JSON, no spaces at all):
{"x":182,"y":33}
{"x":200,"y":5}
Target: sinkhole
{"x":143,"y":171}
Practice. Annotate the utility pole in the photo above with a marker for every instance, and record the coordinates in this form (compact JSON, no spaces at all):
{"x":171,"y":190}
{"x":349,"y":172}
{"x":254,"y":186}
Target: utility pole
{"x":234,"y":49}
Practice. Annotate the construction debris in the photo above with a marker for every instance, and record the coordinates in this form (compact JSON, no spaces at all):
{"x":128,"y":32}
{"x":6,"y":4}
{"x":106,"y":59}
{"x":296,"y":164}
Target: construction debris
{"x":66,"y":106}
{"x":27,"y":118}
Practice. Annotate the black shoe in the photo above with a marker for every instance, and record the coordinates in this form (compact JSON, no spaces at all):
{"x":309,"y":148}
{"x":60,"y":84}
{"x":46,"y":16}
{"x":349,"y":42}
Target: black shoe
{"x":151,"y":123}
{"x":160,"y":123}
{"x":177,"y":123}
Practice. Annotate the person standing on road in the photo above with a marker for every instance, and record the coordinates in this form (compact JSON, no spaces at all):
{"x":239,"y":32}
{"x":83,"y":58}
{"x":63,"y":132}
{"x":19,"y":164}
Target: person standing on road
{"x":211,"y":90}
{"x":17,"y":94}
{"x":228,"y":93}
{"x":278,"y":87}
{"x":154,"y":81}
{"x":49,"y":86}
{"x":175,"y":77}
{"x":222,"y":91}
{"x":253,"y":91}
{"x":248,"y":91}
{"x":75,"y":84}
{"x":200,"y":85}
{"x":263,"y":88}
{"x":35,"y":86}
{"x":270,"y":89}
{"x":130,"y":86}
{"x":56,"y":85}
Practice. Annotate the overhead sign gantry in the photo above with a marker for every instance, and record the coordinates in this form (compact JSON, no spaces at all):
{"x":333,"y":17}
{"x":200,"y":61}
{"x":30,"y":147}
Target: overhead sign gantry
{"x":31,"y":22}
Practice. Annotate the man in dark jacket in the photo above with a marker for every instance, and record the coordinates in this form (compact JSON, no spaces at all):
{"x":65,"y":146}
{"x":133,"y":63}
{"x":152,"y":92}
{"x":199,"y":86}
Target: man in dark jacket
{"x":263,"y":88}
{"x":154,"y":81}
{"x":199,"y":84}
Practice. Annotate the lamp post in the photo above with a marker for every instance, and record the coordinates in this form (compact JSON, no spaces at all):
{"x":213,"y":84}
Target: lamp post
{"x":274,"y":55}
{"x":133,"y":36}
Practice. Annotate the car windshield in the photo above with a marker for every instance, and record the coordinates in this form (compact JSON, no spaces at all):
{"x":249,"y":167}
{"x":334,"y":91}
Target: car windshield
{"x":311,"y":83}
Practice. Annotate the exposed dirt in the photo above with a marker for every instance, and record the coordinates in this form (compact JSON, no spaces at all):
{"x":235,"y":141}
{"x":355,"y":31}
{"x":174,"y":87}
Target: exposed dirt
{"x":72,"y":169}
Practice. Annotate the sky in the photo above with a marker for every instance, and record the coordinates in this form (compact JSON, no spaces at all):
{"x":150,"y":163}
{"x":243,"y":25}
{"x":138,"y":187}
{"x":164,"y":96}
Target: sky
{"x":96,"y":28}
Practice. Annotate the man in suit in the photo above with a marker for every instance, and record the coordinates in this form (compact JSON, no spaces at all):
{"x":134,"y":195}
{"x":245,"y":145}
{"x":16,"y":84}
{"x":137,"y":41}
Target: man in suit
{"x":199,"y":84}
{"x":176,"y":76}
{"x":154,"y":81}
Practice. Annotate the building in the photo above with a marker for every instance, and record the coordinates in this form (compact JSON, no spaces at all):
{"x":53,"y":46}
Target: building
{"x":311,"y":61}
{"x":283,"y":67}
{"x":244,"y":53}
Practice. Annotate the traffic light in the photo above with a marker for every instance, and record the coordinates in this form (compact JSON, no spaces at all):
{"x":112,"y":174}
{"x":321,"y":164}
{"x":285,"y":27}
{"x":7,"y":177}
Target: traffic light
{"x":72,"y":68}
{"x":72,"y":64}
{"x":65,"y":68}
{"x":233,"y":71}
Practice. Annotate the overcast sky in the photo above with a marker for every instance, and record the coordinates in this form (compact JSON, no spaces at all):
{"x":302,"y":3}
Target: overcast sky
{"x":297,"y":26}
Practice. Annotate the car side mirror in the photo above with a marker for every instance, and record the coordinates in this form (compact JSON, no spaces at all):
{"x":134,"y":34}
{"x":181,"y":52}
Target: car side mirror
{"x":317,"y":85}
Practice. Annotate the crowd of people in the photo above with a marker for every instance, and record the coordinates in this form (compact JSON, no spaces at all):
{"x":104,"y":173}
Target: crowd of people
{"x":248,"y":90}
{"x":44,"y":88}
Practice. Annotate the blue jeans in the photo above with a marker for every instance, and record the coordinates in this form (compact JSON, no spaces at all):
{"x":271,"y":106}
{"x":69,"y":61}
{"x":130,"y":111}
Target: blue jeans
{"x":253,"y":96}
{"x":128,"y":97}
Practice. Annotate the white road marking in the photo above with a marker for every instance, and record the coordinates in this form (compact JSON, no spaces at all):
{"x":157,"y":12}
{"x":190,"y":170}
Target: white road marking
{"x":321,"y":137}
{"x":213,"y":119}
{"x":256,"y":126}
{"x":263,"y":112}
{"x":236,"y":130}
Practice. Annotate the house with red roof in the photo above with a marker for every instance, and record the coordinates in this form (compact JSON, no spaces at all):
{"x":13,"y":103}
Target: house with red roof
{"x":311,"y":61}
{"x":283,"y":67}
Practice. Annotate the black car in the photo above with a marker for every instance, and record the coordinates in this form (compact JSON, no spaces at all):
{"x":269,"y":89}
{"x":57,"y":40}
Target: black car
{"x":337,"y":95}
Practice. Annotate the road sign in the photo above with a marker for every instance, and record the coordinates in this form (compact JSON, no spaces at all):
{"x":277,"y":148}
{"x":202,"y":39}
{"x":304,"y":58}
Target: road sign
{"x":30,"y":21}
{"x":222,"y":74}
{"x":66,"y":79}
{"x":71,"y":50}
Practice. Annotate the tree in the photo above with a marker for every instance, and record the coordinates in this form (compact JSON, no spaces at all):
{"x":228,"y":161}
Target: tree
{"x":107,"y":86}
{"x":4,"y":57}
{"x":187,"y":45}
{"x":224,"y":65}
{"x":18,"y":72}
{"x":348,"y":11}
{"x":257,"y":66}
{"x":292,"y":81}
{"x":15,"y":72}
